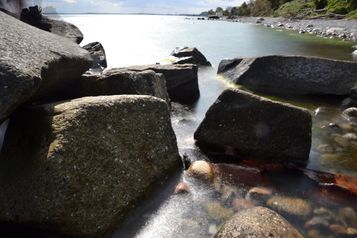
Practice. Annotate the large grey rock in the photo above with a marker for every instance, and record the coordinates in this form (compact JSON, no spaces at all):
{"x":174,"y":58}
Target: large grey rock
{"x":257,"y":127}
{"x":79,"y":167}
{"x":258,"y":222}
{"x":34,"y":63}
{"x":294,"y":75}
{"x":181,"y":80}
{"x":97,"y":52}
{"x":188,"y":55}
{"x":34,"y":17}
{"x":120,"y":81}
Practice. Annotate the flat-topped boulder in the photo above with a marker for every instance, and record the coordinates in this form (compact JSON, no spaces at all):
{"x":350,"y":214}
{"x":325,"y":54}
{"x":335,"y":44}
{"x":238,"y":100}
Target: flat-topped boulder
{"x":79,"y":167}
{"x":189,"y":55}
{"x":34,"y":17}
{"x":120,"y":81}
{"x":97,"y":52}
{"x":293,"y":75}
{"x":181,"y":80}
{"x":258,"y":222}
{"x":257,"y":128}
{"x":34,"y":63}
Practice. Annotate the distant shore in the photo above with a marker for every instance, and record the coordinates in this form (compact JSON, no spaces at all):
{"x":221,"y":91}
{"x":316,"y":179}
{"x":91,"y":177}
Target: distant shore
{"x":327,"y":28}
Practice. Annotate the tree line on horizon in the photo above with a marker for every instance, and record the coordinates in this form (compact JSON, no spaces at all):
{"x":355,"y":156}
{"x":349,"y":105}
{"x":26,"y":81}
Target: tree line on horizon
{"x":288,"y":8}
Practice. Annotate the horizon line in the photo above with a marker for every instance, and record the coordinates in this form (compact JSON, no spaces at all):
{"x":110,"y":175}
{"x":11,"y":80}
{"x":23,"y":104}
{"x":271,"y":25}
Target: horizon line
{"x":121,"y":13}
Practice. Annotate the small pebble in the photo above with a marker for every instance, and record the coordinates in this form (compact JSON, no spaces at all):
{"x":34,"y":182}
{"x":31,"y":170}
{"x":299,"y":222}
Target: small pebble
{"x":350,"y":136}
{"x":348,"y":216}
{"x":338,"y":229}
{"x":182,"y":188}
{"x":201,"y":170}
{"x":316,"y":222}
{"x":314,"y":234}
{"x":346,"y":126}
{"x":212,"y":229}
{"x":325,"y":149}
{"x":351,"y":231}
{"x":290,"y":205}
{"x":257,"y":193}
{"x":341,"y":141}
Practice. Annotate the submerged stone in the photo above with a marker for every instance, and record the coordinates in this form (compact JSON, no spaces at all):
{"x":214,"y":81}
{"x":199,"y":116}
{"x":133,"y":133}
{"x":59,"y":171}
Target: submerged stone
{"x":257,"y":222}
{"x":290,"y":206}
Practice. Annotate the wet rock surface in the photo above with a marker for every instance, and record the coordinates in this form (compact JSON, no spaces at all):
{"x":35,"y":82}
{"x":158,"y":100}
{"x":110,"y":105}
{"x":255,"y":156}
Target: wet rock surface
{"x":257,"y":127}
{"x":294,"y":75}
{"x":78,"y":167}
{"x":34,"y":63}
{"x":290,"y":206}
{"x":181,"y":80}
{"x":201,"y":170}
{"x":257,"y":222}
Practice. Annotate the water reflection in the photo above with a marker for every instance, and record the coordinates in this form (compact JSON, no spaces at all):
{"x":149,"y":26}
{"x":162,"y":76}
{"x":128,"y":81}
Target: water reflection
{"x":138,"y":39}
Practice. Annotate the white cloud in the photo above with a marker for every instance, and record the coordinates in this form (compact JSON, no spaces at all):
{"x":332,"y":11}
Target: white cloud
{"x":71,"y":1}
{"x":107,"y":6}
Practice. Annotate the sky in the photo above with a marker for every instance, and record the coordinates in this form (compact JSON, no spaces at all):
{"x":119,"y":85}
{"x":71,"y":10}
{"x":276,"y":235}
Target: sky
{"x":135,"y":6}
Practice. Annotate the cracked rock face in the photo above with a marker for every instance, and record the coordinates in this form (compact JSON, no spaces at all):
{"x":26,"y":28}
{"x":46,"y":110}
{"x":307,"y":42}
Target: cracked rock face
{"x":78,"y":167}
{"x":34,"y":63}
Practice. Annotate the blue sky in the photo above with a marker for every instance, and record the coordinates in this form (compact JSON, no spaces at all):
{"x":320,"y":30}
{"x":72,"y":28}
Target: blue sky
{"x":135,"y":6}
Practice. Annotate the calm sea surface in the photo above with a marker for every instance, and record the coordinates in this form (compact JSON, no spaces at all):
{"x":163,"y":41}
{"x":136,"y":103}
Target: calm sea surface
{"x":139,"y":39}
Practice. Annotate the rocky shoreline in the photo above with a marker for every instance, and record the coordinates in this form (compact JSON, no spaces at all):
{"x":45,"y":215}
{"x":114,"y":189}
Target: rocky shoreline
{"x":326,"y":28}
{"x":85,"y":144}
